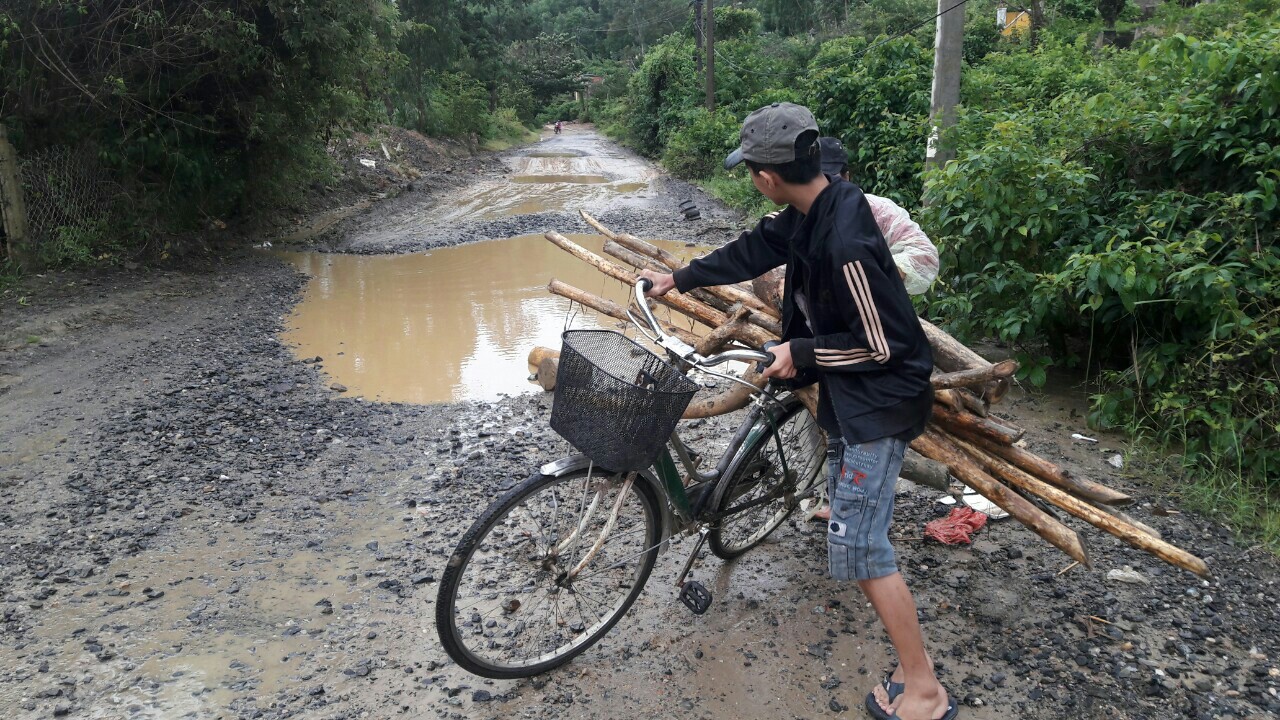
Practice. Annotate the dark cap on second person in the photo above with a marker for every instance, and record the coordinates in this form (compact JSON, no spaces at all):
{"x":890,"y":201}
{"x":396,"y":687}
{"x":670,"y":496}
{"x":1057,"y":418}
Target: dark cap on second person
{"x":834,"y":157}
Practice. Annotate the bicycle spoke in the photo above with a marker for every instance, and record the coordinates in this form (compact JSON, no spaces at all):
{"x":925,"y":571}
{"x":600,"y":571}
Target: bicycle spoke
{"x":515,"y":602}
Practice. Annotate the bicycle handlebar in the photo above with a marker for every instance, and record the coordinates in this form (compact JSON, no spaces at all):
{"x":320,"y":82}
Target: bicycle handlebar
{"x":683,"y":349}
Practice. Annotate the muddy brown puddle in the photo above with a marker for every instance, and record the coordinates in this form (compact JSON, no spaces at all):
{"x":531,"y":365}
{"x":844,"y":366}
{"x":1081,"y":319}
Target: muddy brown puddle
{"x":452,"y":324}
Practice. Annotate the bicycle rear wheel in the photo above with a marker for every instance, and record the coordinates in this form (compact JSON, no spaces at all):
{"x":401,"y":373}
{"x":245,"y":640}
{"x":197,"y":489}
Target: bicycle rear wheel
{"x":546,"y":571}
{"x":755,"y":497}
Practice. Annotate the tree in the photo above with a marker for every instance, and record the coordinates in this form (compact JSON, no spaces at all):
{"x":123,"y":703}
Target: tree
{"x":547,"y":64}
{"x":1110,"y":11}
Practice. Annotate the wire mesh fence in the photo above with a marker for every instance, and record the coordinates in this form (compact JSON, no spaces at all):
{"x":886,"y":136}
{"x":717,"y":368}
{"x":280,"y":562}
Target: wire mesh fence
{"x":68,"y":195}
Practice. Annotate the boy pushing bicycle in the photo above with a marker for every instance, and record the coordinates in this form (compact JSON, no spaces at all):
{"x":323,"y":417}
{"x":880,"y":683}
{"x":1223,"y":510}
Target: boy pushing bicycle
{"x":848,"y":322}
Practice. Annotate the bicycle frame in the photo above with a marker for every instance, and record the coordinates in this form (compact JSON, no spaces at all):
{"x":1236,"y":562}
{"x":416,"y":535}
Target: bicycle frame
{"x":680,"y":512}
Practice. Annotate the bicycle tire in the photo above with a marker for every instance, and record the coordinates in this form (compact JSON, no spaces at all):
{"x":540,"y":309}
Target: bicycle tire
{"x":757,"y":469}
{"x":509,"y":622}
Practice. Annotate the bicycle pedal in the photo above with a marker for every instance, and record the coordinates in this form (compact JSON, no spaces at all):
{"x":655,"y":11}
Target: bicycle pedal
{"x":695,"y":597}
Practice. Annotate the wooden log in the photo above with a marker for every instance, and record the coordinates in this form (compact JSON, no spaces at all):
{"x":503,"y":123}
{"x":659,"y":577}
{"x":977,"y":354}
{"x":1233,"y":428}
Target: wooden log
{"x":719,"y":336}
{"x":974,"y":376}
{"x":610,"y":308}
{"x":923,"y":471}
{"x":1127,"y":532}
{"x":934,"y":445}
{"x":1051,"y":473}
{"x":704,"y":314}
{"x":631,"y":257}
{"x":1126,"y":517}
{"x":986,"y":427}
{"x":730,"y":293}
{"x":546,"y":374}
{"x":971,"y":402}
{"x":643,"y":262}
{"x":950,"y":355}
{"x":540,"y":353}
{"x":768,"y":287}
{"x":948,"y":398}
{"x":732,"y":399}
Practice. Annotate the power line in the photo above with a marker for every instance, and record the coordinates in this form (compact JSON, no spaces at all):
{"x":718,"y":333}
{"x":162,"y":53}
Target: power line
{"x":651,"y":21}
{"x":850,"y":58}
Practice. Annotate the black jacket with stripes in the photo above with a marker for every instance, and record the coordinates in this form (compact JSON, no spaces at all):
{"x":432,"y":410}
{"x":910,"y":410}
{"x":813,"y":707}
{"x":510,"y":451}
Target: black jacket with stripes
{"x":858,"y":330}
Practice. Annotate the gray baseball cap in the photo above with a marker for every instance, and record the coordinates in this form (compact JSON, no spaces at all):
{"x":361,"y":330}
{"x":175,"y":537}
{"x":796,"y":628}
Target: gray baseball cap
{"x":769,"y":134}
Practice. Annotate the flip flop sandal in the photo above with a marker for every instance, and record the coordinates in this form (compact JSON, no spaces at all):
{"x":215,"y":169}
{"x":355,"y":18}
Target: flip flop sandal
{"x":894,"y":689}
{"x":953,"y":709}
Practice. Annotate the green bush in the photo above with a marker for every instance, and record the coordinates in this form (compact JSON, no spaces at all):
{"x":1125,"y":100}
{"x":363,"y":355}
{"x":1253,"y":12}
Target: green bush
{"x":698,"y":149}
{"x":659,"y":93}
{"x":877,"y":102}
{"x":1126,"y":216}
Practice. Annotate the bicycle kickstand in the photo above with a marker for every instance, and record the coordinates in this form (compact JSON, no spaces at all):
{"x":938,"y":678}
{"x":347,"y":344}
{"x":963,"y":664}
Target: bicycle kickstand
{"x":694,"y":594}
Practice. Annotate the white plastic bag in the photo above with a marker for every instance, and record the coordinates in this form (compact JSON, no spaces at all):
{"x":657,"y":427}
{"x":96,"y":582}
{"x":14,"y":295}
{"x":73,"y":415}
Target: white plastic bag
{"x":913,"y":252}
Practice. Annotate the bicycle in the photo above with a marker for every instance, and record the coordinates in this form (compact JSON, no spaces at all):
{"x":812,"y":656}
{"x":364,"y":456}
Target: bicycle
{"x":553,"y":564}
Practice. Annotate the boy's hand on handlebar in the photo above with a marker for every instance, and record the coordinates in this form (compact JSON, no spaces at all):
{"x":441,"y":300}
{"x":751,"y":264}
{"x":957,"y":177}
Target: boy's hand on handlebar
{"x":663,"y":283}
{"x":782,"y":367}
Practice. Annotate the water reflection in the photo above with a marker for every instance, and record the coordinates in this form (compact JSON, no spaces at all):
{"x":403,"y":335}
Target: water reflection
{"x":452,"y":324}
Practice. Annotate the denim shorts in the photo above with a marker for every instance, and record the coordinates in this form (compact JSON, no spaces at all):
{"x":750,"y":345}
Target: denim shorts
{"x":860,"y":484}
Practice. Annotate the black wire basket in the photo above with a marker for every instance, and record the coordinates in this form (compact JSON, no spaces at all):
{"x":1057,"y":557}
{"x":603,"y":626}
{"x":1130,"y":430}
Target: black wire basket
{"x":615,"y":401}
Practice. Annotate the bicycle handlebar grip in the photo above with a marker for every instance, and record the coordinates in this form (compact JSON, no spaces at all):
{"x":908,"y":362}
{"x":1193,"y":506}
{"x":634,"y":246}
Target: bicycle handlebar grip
{"x":766,"y":347}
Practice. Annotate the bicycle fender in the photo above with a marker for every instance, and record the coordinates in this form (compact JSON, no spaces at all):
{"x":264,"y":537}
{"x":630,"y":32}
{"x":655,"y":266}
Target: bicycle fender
{"x":574,"y":463}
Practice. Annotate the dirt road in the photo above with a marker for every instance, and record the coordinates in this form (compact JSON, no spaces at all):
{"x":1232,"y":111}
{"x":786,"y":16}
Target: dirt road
{"x":196,"y":525}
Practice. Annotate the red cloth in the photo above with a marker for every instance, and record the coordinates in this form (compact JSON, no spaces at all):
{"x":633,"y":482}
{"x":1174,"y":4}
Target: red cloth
{"x":957,"y":527}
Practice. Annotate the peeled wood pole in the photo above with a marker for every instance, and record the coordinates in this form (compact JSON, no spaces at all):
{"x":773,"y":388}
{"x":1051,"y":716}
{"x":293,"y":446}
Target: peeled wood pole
{"x":975,"y":376}
{"x":1130,"y":534}
{"x":935,"y":446}
{"x":985,"y":427}
{"x":730,"y":293}
{"x":709,"y":316}
{"x":1050,"y":473}
{"x":949,"y":355}
{"x":610,"y":308}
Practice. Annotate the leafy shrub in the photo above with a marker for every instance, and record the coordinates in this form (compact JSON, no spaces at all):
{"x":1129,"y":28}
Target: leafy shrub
{"x":659,"y":93}
{"x":698,"y":149}
{"x":1137,"y":225}
{"x":876,"y":100}
{"x":733,"y":23}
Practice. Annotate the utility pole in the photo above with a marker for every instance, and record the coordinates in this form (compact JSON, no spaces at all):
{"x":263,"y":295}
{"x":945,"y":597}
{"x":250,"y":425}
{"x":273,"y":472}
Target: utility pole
{"x":697,"y":34}
{"x":711,"y":55}
{"x":946,"y":80}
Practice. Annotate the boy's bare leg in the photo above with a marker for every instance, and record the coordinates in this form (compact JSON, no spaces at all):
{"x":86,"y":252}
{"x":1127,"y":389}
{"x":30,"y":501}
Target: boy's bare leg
{"x":924,"y":697}
{"x":899,"y":676}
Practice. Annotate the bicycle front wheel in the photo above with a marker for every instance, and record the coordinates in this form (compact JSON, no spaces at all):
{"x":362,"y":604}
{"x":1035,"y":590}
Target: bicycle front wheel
{"x":755,"y":496}
{"x":546,"y":571}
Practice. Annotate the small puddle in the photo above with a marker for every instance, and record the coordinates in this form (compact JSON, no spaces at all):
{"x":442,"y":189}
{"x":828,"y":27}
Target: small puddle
{"x":572,"y":179}
{"x":553,"y":155}
{"x":449,"y":325}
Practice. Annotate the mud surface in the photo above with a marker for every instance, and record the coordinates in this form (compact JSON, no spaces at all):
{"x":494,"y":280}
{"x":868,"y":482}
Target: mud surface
{"x":196,"y":526}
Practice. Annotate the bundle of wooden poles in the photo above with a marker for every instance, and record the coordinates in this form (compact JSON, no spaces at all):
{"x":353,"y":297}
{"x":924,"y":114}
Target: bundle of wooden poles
{"x":962,"y":440}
